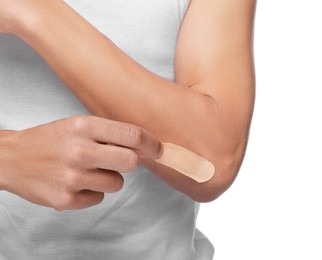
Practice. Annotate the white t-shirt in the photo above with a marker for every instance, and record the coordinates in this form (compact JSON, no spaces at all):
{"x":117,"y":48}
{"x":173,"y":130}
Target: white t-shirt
{"x":147,"y":219}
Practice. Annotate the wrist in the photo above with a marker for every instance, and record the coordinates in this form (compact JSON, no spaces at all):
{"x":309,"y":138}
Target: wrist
{"x":7,"y":140}
{"x":26,"y":17}
{"x":24,"y":25}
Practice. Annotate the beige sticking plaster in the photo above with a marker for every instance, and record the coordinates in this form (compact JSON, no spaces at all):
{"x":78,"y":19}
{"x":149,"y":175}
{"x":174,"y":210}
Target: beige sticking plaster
{"x":186,"y":162}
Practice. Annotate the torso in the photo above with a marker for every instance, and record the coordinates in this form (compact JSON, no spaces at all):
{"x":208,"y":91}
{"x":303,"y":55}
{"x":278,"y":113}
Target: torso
{"x":147,"y":219}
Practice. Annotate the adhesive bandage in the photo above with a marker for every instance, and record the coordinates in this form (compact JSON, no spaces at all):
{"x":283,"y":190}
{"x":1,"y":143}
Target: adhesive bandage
{"x":186,"y":162}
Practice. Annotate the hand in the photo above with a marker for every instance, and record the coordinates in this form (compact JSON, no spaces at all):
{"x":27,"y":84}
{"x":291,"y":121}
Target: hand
{"x":69,"y":163}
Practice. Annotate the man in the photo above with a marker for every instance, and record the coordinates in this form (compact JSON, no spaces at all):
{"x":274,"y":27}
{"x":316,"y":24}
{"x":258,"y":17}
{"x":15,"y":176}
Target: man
{"x":204,"y":104}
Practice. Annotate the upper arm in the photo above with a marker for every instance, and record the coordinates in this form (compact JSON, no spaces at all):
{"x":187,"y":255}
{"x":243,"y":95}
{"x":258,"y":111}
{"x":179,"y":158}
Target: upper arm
{"x":214,"y":56}
{"x":214,"y":53}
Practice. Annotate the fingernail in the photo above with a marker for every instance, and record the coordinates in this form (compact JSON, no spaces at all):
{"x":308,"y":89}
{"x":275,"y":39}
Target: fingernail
{"x":160,"y":150}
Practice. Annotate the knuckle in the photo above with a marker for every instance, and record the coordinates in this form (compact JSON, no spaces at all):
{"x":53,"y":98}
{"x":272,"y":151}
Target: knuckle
{"x":136,"y":135}
{"x":132,"y":160}
{"x":72,"y":180}
{"x":78,"y":153}
{"x":79,"y":123}
{"x":65,"y":201}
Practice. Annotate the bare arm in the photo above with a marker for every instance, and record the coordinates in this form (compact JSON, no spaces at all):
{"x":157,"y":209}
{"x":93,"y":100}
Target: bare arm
{"x":207,"y":110}
{"x":71,"y":163}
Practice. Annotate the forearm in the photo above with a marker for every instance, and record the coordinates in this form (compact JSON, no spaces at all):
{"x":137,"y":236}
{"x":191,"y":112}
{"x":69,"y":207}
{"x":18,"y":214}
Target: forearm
{"x":112,"y":85}
{"x":108,"y":81}
{"x":5,"y":132}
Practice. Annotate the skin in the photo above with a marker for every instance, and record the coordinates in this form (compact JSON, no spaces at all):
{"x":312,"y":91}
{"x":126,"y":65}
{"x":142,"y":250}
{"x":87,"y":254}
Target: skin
{"x":207,"y":109}
{"x":66,"y":164}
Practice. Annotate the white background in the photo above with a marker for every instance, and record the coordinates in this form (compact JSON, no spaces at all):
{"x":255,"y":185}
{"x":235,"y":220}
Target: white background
{"x":274,"y":208}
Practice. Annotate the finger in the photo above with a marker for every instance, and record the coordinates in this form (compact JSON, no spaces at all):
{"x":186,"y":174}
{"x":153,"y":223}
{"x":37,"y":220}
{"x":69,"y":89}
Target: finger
{"x":88,"y":198}
{"x":111,"y":157}
{"x":102,"y":181}
{"x":81,"y":200}
{"x":128,"y":135}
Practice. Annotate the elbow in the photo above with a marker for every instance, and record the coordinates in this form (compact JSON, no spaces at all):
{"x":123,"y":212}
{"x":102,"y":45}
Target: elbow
{"x":225,"y":146}
{"x":226,"y":171}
